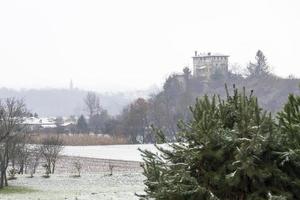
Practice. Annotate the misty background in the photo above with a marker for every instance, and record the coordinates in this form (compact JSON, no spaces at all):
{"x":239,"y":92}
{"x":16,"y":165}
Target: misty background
{"x":66,"y":102}
{"x":132,"y":45}
{"x":127,"y":49}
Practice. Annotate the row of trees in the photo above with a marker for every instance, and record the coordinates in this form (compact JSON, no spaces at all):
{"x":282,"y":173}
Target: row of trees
{"x":14,"y":149}
{"x":97,"y":116}
{"x":170,"y":105}
{"x":12,"y":112}
{"x":131,"y":123}
{"x":164,"y":109}
{"x":230,"y":149}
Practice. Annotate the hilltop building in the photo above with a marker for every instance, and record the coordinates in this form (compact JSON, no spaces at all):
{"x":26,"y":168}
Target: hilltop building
{"x":205,"y":65}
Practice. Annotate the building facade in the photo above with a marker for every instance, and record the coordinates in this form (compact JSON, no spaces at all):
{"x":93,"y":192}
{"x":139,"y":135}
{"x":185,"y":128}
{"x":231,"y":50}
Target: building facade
{"x":208,"y":64}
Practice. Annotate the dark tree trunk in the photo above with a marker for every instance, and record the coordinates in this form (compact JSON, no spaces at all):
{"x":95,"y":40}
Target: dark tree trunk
{"x":13,"y":163}
{"x":21,"y":170}
{"x":53,"y":167}
{"x":49,"y":167}
{"x":2,"y":178}
{"x":1,"y":170}
{"x":5,"y":179}
{"x":3,"y":167}
{"x":35,"y":166}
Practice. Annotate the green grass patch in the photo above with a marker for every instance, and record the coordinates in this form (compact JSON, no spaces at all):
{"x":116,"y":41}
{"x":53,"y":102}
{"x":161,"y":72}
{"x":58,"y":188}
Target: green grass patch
{"x":16,"y":190}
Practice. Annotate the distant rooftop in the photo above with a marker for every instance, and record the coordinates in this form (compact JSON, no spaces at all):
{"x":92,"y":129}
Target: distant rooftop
{"x":209,"y":54}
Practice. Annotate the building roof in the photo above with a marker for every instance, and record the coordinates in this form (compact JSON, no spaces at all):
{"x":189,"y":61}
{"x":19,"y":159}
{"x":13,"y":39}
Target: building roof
{"x":203,"y":55}
{"x":47,"y":122}
{"x":202,"y":67}
{"x":38,"y":121}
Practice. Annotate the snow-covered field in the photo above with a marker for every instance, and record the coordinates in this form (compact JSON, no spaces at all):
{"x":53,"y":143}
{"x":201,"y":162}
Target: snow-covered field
{"x":115,"y":152}
{"x":95,"y":182}
{"x":120,"y":186}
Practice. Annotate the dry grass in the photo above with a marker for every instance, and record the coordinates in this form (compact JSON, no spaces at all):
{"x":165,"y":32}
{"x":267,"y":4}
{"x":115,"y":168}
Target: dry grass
{"x":16,"y":189}
{"x":79,"y":139}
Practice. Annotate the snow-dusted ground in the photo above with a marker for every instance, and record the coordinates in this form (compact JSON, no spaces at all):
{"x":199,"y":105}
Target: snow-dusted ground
{"x":115,"y":152}
{"x":120,"y":186}
{"x":94,"y":183}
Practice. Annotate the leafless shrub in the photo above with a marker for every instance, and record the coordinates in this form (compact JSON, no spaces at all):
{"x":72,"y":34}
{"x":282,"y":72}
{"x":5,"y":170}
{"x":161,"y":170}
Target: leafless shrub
{"x":23,"y":154}
{"x":78,"y":166}
{"x":50,"y":150}
{"x":80,"y":139}
{"x":12,"y":174}
{"x":34,"y":160}
{"x":111,"y":167}
{"x":47,"y":171}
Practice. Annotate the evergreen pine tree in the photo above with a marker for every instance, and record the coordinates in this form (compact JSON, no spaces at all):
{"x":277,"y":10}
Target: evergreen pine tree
{"x":259,"y":68}
{"x":231,"y":149}
{"x":82,"y":125}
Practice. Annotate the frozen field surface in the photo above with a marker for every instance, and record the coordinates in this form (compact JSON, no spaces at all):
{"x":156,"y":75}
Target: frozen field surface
{"x":115,"y":152}
{"x":94,"y":183}
{"x":121,"y":186}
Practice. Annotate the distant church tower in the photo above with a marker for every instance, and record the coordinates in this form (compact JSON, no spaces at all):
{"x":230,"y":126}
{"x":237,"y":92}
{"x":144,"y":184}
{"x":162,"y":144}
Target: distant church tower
{"x":71,"y":86}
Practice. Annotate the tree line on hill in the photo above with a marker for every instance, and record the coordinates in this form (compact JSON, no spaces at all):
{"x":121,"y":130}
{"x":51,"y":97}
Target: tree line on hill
{"x":230,"y":148}
{"x":166,"y":108}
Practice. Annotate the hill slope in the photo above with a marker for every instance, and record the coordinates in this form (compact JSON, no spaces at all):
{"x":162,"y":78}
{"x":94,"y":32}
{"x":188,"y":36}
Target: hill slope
{"x":64,"y":102}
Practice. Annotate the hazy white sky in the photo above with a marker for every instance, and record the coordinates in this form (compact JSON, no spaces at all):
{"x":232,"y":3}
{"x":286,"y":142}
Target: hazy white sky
{"x":134,"y":44}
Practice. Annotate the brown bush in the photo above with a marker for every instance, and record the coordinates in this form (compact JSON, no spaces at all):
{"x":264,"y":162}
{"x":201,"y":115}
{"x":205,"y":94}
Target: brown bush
{"x":80,"y":139}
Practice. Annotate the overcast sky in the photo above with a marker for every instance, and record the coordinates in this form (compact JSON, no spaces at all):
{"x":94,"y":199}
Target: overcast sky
{"x":119,"y":45}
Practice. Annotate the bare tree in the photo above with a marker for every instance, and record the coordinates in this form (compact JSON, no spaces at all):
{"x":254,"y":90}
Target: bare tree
{"x":111,"y":167}
{"x":34,"y":160}
{"x":47,"y":171}
{"x":50,"y":150}
{"x":20,"y":153}
{"x":12,"y":174}
{"x":92,"y":103}
{"x":97,"y":115}
{"x":78,"y":166}
{"x":12,"y":112}
{"x":23,"y":153}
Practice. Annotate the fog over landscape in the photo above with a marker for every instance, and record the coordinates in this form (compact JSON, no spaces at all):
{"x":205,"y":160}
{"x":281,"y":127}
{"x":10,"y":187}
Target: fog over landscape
{"x":140,"y":100}
{"x":132,"y":45}
{"x":65,"y":102}
{"x":120,"y":49}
